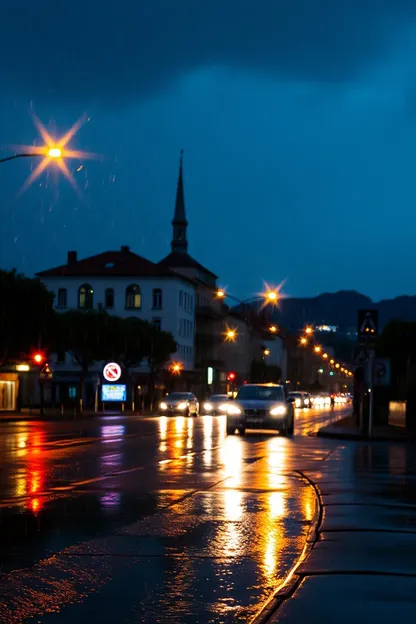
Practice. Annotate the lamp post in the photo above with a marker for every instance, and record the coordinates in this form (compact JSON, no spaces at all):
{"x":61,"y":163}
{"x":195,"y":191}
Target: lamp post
{"x":52,"y":152}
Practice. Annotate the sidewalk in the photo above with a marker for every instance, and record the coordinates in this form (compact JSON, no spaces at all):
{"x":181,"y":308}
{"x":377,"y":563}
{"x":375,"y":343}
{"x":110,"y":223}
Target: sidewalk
{"x":347,"y":429}
{"x":362,"y":567}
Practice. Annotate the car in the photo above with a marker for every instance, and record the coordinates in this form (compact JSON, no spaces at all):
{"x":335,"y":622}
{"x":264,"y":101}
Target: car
{"x":261,"y":406}
{"x":216,"y":404}
{"x":301,"y":399}
{"x":184,"y":403}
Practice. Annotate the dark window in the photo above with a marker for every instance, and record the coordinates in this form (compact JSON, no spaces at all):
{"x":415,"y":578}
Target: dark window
{"x":157,"y":322}
{"x":109,"y":298}
{"x":85,"y":297}
{"x":157,"y":298}
{"x":133,"y":297}
{"x":62,"y":298}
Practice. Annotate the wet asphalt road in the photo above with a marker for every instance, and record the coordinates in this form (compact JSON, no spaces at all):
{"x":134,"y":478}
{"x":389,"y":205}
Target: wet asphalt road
{"x":151,"y":519}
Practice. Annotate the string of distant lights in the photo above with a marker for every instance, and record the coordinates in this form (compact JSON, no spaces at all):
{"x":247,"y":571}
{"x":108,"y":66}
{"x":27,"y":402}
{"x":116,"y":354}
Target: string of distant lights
{"x":306,"y":340}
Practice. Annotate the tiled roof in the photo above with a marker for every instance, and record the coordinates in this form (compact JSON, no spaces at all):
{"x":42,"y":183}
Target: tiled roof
{"x":122,"y":263}
{"x":184,"y":260}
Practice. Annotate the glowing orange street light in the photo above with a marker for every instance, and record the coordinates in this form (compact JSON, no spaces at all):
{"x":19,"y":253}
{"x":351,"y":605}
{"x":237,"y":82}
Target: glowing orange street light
{"x":303,"y":341}
{"x":176,"y":368}
{"x":308,"y":330}
{"x":325,"y":356}
{"x":318,"y":349}
{"x":53,"y":150}
{"x":273,"y":329}
{"x":336,"y":365}
{"x":231,"y":335}
{"x":267,"y":352}
{"x":220,"y":294}
{"x":332,"y":361}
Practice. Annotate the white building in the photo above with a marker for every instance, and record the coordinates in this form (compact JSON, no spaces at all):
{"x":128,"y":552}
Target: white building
{"x":125,"y":284}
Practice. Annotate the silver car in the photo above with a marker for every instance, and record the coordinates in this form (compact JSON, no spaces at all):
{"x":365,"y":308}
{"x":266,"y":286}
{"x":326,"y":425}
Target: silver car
{"x":184,"y":403}
{"x":261,"y":406}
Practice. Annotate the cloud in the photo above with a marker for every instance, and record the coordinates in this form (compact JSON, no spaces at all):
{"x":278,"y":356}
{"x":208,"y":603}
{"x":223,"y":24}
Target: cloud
{"x":122,"y":49}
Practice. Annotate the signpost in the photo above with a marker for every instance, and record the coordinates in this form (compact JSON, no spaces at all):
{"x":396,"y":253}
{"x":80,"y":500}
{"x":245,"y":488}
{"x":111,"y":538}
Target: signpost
{"x":367,"y":331}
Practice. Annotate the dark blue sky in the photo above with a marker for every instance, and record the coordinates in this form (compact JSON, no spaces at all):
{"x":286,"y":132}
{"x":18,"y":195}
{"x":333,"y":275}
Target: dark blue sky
{"x":298,"y":121}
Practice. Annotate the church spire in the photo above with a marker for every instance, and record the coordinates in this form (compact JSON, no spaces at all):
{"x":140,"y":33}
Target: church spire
{"x":179,"y":241}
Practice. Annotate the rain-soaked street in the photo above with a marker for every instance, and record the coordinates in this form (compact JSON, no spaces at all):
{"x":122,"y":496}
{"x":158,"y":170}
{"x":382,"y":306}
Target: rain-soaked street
{"x":151,"y":519}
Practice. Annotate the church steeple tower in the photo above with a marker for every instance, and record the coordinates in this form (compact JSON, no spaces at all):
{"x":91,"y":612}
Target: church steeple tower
{"x":179,"y":241}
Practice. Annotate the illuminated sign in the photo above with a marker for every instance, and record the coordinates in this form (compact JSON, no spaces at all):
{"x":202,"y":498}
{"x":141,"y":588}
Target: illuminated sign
{"x":210,"y":375}
{"x":116,"y":392}
{"x":112,"y":372}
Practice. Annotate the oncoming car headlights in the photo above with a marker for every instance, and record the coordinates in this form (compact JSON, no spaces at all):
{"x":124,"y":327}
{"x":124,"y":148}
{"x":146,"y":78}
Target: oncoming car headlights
{"x":280,"y":410}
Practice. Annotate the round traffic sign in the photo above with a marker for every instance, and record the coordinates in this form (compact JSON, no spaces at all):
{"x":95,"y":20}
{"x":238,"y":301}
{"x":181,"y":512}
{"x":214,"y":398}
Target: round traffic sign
{"x":379,"y":369}
{"x":112,"y":371}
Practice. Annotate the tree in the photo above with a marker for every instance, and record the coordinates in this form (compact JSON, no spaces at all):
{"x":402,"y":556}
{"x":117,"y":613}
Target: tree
{"x":161,"y":347}
{"x":85,"y":336}
{"x":26,"y":310}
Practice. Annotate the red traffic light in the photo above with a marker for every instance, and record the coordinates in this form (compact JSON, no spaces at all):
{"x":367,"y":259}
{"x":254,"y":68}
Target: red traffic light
{"x":231,"y":376}
{"x":38,"y":358}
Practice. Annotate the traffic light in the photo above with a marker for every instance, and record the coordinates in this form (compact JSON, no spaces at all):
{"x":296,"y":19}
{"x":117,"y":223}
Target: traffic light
{"x":231,"y":376}
{"x":38,"y":358}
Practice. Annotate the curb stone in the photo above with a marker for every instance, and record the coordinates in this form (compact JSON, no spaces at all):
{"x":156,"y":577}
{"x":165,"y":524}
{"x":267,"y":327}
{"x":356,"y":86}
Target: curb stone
{"x":292,"y":580}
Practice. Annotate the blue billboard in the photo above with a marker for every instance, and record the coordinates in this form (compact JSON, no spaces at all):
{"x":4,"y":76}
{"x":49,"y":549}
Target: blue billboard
{"x":115,"y":392}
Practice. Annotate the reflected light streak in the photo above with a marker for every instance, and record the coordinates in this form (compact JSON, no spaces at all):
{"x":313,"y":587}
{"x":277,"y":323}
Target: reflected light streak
{"x":180,"y":424}
{"x":208,"y":432}
{"x":270,"y":557}
{"x":231,"y":457}
{"x":232,"y":505}
{"x":277,"y":504}
{"x":163,"y":427}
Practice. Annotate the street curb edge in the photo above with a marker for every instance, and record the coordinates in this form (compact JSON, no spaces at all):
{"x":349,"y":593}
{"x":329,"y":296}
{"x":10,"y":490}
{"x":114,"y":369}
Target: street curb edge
{"x":292,"y":581}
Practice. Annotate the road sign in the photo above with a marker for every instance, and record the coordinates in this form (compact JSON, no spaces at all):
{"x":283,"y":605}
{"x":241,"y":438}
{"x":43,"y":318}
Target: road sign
{"x":112,"y":372}
{"x":367,"y":324}
{"x":381,"y":372}
{"x":45,"y":373}
{"x":360,"y":356}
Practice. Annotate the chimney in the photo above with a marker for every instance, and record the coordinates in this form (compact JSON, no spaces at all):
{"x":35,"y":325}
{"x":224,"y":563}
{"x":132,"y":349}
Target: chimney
{"x":72,"y":257}
{"x":125,"y":248}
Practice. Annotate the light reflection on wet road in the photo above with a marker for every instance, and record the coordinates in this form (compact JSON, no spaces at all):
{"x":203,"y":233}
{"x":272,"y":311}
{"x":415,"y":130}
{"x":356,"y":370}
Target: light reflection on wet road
{"x":150,"y":519}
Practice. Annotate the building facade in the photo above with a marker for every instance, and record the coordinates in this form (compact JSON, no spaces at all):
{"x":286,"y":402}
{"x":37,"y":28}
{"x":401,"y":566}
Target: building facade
{"x":126,"y":285}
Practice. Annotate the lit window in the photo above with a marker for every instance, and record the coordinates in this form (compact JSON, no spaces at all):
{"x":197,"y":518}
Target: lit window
{"x":133,"y":297}
{"x":109,"y":298}
{"x":62,"y":298}
{"x":85,"y":297}
{"x":157,"y":298}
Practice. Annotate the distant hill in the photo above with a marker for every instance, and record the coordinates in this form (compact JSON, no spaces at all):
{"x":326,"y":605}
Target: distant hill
{"x":340,"y":309}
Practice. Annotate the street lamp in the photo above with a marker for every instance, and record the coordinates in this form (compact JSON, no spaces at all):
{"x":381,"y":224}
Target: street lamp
{"x":308,"y":330}
{"x":273,"y":329}
{"x":52,"y":151}
{"x":318,"y":349}
{"x":176,"y":368}
{"x":231,"y":335}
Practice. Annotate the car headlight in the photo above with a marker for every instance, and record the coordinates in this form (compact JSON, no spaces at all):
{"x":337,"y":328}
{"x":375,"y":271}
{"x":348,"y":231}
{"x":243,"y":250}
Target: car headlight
{"x":183,"y":405}
{"x":297,"y":403}
{"x":306,"y":401}
{"x":280,"y":410}
{"x":163,"y":406}
{"x":208,"y":407}
{"x":233,"y":410}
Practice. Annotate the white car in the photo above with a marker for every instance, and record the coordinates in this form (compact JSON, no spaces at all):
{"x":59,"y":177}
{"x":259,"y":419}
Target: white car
{"x":184,"y":403}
